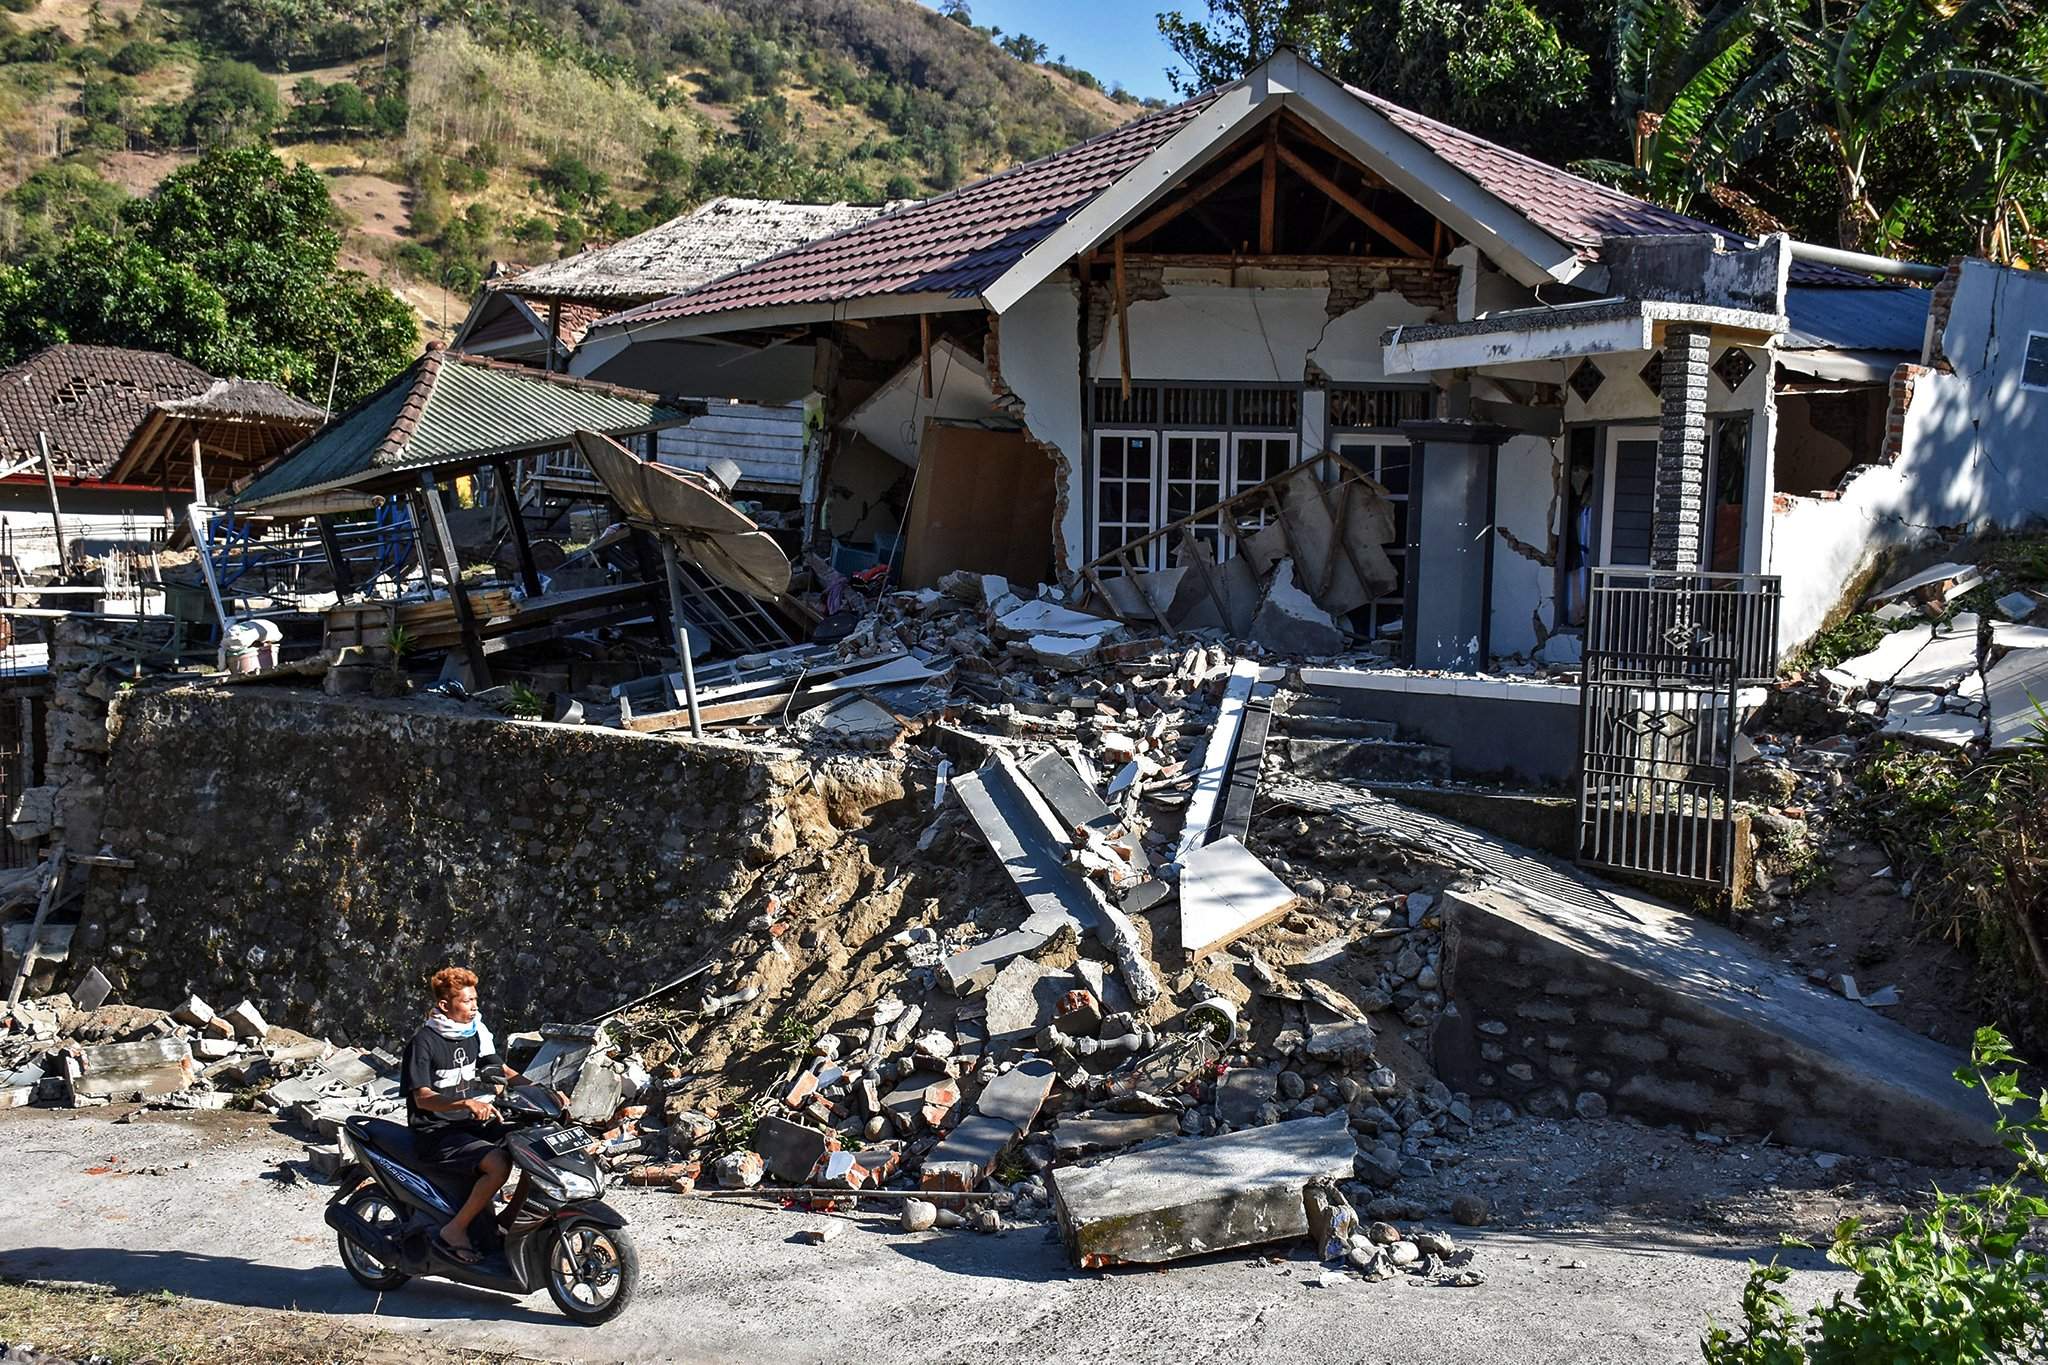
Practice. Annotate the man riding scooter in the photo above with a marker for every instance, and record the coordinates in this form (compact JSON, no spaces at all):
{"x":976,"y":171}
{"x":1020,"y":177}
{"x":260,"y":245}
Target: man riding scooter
{"x":459,"y":1134}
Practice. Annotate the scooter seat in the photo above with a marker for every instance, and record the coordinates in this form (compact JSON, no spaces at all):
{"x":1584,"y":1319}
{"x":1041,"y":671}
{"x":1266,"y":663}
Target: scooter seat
{"x":395,"y":1140}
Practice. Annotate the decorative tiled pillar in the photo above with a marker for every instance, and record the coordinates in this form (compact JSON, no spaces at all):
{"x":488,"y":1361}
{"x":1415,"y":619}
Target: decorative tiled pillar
{"x":1681,"y":452}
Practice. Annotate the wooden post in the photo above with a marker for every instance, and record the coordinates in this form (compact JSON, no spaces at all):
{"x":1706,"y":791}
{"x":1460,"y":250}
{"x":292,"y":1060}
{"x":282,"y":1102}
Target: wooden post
{"x":337,"y":565}
{"x":682,"y":627}
{"x":52,"y":884}
{"x":924,"y":351}
{"x":465,"y":616}
{"x":508,"y":498}
{"x":56,"y":512}
{"x":198,"y":473}
{"x":1269,"y":185}
{"x":1123,"y":320}
{"x":554,"y":332}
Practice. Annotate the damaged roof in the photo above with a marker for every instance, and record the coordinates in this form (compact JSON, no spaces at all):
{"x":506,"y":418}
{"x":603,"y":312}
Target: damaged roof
{"x":961,"y":243}
{"x":446,"y":410}
{"x":1873,"y":318}
{"x":715,"y":239}
{"x":90,"y":399}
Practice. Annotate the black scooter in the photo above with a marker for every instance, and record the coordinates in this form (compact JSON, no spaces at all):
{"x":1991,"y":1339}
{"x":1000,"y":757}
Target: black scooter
{"x":389,"y":1204}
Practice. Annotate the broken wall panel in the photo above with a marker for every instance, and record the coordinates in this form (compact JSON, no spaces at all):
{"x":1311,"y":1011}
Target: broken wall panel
{"x":983,"y":501}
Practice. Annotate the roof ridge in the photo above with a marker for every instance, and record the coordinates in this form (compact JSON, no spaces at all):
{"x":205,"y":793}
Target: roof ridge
{"x":414,"y":407}
{"x":902,"y":211}
{"x":570,"y":381}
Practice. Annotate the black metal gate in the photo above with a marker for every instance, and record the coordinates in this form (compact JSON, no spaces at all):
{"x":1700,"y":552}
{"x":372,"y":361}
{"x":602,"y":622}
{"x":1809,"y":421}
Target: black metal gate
{"x":1660,"y":702}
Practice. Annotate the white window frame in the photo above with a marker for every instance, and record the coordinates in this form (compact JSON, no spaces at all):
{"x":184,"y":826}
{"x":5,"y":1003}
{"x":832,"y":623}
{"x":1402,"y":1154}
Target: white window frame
{"x":1615,"y":436}
{"x":1219,"y":545}
{"x":1134,"y":528}
{"x":2025,"y":355}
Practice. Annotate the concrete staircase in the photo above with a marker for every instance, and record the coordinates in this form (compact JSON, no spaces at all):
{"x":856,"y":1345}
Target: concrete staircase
{"x":1315,"y":740}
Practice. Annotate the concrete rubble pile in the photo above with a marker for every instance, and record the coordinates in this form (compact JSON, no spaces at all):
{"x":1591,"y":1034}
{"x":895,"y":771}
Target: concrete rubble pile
{"x":1946,"y":676}
{"x":74,"y":1050}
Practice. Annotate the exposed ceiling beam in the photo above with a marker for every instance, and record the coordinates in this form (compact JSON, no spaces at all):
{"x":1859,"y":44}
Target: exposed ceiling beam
{"x":1145,"y":227}
{"x":1350,"y":204}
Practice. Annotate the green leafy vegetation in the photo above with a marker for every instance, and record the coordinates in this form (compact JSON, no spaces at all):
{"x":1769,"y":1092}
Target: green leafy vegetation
{"x":1847,"y":638}
{"x":1964,"y":1283}
{"x":1969,"y":833}
{"x":233,"y":263}
{"x":1884,"y":125}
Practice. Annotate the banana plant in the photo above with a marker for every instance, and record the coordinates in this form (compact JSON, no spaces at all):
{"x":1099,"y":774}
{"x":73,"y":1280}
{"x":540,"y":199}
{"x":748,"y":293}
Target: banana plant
{"x":1699,"y":87}
{"x":1891,"y":62}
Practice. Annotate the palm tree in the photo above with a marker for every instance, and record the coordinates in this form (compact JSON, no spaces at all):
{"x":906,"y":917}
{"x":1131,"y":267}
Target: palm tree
{"x":1891,"y":62}
{"x":1693,"y":85}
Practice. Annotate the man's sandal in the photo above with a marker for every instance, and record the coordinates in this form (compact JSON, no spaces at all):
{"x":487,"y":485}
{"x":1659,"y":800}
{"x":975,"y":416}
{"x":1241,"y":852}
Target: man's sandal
{"x":461,"y":1255}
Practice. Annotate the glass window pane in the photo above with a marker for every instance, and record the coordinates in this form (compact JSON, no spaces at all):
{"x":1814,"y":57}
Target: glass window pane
{"x":1138,"y":457}
{"x":1111,"y":457}
{"x":1394,"y":468}
{"x":1110,"y":503}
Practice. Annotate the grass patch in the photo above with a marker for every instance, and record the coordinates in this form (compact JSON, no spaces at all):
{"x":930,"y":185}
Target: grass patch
{"x":1847,"y":638}
{"x":163,"y":1329}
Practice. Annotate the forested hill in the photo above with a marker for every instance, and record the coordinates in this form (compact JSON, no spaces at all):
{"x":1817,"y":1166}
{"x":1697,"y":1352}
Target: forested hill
{"x":455,"y":133}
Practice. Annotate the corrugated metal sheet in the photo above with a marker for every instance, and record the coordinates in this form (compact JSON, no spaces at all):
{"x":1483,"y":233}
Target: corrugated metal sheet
{"x":447,"y":410}
{"x":767,"y":442}
{"x":1892,"y":318}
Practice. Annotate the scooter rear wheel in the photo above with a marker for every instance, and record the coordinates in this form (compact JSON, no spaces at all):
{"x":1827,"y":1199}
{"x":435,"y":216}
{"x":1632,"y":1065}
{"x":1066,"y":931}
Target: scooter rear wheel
{"x":371,"y":1205}
{"x":592,"y":1272}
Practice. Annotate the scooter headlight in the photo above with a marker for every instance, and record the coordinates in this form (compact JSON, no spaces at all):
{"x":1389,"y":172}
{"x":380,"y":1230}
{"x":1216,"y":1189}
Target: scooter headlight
{"x":576,"y":1186}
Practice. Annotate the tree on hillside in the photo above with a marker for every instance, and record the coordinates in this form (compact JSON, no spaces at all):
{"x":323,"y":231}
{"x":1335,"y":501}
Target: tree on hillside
{"x":233,"y":263}
{"x":229,"y":101}
{"x":1503,"y":68}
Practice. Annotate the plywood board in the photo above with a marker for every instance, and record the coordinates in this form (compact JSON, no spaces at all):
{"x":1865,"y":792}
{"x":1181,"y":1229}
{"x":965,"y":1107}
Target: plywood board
{"x":983,"y":501}
{"x":1225,"y":893}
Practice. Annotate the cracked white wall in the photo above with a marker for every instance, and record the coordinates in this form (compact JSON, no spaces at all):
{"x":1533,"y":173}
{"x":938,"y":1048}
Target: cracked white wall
{"x":1974,"y":453}
{"x":1199,"y":331}
{"x":1526,"y":511}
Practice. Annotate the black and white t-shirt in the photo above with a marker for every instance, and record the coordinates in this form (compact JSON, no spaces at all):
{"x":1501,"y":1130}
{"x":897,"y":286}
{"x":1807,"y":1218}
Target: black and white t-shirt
{"x":441,"y":1064}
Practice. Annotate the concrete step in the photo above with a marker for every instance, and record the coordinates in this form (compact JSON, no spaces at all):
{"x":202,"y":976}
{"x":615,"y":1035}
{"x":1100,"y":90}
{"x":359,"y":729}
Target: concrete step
{"x":1363,"y":760}
{"x":1334,"y":727}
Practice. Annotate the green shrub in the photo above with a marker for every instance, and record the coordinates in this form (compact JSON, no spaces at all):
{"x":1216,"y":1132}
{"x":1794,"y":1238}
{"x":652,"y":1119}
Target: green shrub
{"x":1954,"y":1286}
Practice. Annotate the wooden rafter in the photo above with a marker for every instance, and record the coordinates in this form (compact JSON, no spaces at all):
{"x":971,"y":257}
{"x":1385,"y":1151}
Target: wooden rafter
{"x":1269,"y":185}
{"x":1123,"y":320}
{"x":1350,"y":203}
{"x":1159,"y":218}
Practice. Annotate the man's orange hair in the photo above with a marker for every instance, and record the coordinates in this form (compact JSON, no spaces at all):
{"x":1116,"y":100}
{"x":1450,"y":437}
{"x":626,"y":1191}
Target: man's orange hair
{"x":449,"y":980}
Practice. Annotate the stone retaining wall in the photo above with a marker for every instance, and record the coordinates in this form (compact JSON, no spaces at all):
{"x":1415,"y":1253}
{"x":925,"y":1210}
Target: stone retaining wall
{"x":323,"y":857}
{"x":1676,"y":1021}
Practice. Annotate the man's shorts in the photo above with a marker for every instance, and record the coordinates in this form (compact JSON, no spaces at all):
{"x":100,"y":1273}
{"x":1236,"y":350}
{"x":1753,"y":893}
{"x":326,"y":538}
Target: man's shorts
{"x":461,"y":1146}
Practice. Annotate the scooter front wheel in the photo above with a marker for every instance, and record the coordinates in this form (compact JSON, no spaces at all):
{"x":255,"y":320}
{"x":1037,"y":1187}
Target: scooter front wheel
{"x":592,"y":1271}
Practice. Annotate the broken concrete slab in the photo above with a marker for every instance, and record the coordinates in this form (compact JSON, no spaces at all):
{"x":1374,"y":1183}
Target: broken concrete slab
{"x":1214,"y":773}
{"x":1097,"y":1131}
{"x":1049,"y":618}
{"x":973,"y":968}
{"x":1023,"y":997}
{"x":855,"y":722}
{"x":246,"y":1021}
{"x":1290,"y":622}
{"x":1947,"y":729}
{"x":1198,"y":1195}
{"x":1890,"y":658}
{"x":1073,"y":800}
{"x":2015,"y":691}
{"x":1941,"y":665}
{"x":1242,"y":1092}
{"x":2018,"y":606}
{"x":2007,"y":636}
{"x":1934,"y":576}
{"x":1226,"y":893}
{"x":121,"y":1071}
{"x":1006,"y":1108}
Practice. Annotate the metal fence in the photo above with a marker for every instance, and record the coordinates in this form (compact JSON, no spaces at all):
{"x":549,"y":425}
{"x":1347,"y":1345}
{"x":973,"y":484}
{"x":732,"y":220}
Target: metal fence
{"x":1657,"y":768}
{"x":1679,"y":618}
{"x":1667,"y":656}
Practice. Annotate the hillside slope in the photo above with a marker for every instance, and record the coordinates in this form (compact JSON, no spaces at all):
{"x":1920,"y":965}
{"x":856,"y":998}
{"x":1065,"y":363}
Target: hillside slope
{"x":459,"y":133}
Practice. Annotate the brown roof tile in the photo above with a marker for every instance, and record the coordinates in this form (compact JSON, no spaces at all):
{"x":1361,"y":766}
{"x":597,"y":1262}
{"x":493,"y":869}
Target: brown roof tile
{"x":960,"y":243}
{"x":90,"y":399}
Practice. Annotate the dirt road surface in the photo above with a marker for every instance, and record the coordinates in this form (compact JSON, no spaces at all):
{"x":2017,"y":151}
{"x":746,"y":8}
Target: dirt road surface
{"x":194,"y":1204}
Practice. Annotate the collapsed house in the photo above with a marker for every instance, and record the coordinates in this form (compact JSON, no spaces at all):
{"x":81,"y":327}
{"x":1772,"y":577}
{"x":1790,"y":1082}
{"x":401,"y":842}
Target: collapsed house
{"x":1051,"y":370}
{"x":539,"y":315}
{"x":102,"y":446}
